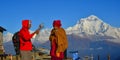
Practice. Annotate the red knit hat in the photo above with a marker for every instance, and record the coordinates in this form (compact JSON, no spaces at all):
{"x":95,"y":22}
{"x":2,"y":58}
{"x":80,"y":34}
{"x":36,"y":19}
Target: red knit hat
{"x":57,"y":23}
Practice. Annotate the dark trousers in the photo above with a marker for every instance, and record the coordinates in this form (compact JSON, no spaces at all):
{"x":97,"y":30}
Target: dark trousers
{"x":65,"y":54}
{"x":56,"y":58}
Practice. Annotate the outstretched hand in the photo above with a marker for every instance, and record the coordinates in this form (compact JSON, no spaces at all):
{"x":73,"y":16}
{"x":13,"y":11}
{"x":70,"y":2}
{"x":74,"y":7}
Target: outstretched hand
{"x":37,"y":31}
{"x":39,"y":28}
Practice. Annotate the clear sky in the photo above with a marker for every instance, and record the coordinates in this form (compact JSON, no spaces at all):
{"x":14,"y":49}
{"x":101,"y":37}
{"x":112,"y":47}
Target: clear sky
{"x":12,"y":12}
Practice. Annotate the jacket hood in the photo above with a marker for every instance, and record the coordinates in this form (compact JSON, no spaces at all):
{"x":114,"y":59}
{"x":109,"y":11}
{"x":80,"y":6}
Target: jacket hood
{"x":25,"y":23}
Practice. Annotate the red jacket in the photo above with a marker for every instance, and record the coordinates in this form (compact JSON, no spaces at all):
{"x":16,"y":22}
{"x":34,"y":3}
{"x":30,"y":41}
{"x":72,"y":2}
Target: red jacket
{"x":25,"y":36}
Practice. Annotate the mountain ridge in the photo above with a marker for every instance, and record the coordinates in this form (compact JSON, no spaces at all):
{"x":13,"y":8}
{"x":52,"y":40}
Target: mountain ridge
{"x":92,"y":25}
{"x":88,"y":36}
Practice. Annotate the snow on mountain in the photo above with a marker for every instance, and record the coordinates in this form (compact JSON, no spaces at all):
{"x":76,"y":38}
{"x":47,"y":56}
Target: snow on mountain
{"x":92,"y":25}
{"x":7,"y":37}
{"x":89,"y":25}
{"x":43,"y":36}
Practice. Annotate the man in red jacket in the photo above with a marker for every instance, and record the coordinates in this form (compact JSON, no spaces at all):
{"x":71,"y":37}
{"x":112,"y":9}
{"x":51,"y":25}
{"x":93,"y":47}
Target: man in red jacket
{"x":25,"y":40}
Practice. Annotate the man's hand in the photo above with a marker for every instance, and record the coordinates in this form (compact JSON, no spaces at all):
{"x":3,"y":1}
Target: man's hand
{"x":58,"y":54}
{"x":37,"y":31}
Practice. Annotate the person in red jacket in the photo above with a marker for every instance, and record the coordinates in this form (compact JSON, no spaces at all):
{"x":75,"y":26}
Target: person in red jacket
{"x":25,"y":40}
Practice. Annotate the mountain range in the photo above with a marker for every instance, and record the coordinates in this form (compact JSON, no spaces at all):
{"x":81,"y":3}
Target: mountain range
{"x":89,"y":35}
{"x":92,"y":25}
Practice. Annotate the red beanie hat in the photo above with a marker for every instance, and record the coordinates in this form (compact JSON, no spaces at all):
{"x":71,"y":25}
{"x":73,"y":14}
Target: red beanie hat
{"x":57,"y":23}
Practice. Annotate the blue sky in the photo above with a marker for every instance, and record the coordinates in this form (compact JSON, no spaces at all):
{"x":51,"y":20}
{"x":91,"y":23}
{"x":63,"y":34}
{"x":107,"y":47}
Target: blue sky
{"x":12,"y":12}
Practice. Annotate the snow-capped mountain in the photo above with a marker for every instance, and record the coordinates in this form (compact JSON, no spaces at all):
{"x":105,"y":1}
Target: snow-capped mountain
{"x":89,"y":36}
{"x":43,"y":36}
{"x":92,"y":25}
{"x":7,"y":37}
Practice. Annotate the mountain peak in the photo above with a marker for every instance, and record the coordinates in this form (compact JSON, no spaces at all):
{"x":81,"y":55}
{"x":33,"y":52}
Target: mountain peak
{"x":91,"y":18}
{"x":92,"y":25}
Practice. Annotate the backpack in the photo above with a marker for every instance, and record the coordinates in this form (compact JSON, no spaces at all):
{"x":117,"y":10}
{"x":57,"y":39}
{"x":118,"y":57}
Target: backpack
{"x":16,"y":42}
